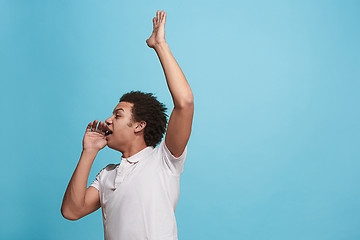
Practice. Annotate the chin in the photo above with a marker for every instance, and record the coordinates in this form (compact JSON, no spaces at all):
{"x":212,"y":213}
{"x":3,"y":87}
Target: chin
{"x":112,"y":146}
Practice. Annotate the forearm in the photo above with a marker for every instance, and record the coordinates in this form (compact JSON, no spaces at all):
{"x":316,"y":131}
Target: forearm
{"x":175,"y":78}
{"x":74,"y":198}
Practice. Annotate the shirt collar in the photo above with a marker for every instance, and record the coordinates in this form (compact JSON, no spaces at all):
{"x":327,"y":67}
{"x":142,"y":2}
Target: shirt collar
{"x":139,"y":155}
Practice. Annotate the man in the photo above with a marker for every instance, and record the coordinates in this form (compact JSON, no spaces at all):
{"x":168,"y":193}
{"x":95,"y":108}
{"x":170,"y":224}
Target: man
{"x":138,"y":197}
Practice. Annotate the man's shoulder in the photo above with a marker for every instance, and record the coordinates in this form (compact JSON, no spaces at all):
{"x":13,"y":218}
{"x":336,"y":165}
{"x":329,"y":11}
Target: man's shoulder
{"x":163,"y":150}
{"x":111,"y":166}
{"x":159,"y":149}
{"x":108,"y":168}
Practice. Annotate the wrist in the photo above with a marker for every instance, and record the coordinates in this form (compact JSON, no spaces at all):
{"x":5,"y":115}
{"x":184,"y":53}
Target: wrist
{"x":90,"y":151}
{"x":160,"y":46}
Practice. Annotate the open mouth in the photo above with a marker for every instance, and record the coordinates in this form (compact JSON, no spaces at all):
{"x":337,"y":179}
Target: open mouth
{"x":107,"y":133}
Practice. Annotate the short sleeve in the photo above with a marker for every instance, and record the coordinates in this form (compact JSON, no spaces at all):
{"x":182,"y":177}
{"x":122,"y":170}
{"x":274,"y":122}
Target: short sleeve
{"x":96,"y":182}
{"x":172,"y":163}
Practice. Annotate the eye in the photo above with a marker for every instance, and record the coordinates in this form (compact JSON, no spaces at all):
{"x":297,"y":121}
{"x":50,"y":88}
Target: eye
{"x":117,"y":116}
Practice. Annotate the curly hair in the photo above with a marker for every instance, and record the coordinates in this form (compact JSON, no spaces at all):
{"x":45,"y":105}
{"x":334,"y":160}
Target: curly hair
{"x":147,"y":108}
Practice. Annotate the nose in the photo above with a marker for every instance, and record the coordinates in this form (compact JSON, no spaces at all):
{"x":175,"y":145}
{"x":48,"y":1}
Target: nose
{"x":108,"y":121}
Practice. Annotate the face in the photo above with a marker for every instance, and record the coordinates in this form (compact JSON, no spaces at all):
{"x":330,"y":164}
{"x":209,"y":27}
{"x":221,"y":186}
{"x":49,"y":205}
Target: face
{"x":122,"y":126}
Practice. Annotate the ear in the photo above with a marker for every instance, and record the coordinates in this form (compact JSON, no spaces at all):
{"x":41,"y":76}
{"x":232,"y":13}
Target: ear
{"x":140,"y":126}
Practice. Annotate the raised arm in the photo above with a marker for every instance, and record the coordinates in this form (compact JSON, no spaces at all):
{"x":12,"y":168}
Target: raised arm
{"x":179,"y":126}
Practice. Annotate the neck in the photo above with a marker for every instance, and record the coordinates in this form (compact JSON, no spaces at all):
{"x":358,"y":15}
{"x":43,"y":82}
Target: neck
{"x":132,"y":149}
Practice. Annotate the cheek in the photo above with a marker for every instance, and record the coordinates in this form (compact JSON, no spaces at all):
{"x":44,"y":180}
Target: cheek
{"x":122,"y":128}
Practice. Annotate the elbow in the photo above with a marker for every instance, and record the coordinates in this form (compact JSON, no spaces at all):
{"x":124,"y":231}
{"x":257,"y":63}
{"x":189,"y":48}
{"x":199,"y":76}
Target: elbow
{"x":187,"y":102}
{"x":190,"y":101}
{"x":68,"y":215}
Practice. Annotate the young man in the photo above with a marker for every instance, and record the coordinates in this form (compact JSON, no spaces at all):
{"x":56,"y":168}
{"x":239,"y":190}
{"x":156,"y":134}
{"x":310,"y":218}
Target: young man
{"x":138,"y":197}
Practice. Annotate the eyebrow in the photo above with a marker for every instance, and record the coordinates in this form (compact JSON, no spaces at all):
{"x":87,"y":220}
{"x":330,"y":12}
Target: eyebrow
{"x":118,"y":110}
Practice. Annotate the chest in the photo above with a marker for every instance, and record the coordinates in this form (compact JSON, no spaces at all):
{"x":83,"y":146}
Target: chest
{"x":144,"y":180}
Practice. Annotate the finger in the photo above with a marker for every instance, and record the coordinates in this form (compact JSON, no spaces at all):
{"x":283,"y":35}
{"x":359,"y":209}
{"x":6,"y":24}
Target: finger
{"x":158,"y":16}
{"x":154,"y":21}
{"x":165,"y":16}
{"x":103,"y":128}
{"x":93,"y":129}
{"x":107,"y":127}
{"x":88,"y":128}
{"x":99,"y":128}
{"x":162,"y":15}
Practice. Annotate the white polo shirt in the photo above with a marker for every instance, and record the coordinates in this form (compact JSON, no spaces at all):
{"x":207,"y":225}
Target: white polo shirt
{"x":139,"y":196}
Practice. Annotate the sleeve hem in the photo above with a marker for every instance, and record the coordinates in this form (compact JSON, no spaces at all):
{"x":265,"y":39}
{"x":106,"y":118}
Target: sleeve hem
{"x":95,"y":186}
{"x":169,"y":152}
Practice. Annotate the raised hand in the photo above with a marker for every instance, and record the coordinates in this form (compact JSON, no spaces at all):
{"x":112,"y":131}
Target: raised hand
{"x":158,"y":34}
{"x":95,"y":139}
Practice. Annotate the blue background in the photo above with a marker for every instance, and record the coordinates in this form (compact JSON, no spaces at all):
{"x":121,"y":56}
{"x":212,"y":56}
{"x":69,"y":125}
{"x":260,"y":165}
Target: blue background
{"x":274,"y":151}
